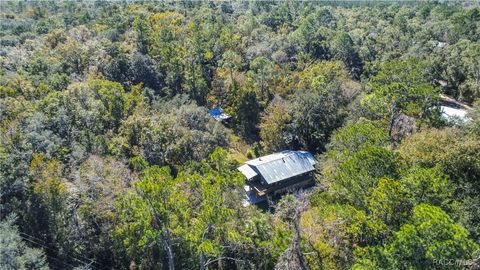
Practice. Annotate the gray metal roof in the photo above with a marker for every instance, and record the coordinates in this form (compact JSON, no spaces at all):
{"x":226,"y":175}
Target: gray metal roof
{"x":280,"y":166}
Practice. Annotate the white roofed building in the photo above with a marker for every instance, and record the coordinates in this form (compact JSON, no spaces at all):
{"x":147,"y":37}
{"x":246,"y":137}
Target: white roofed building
{"x":453,"y":110}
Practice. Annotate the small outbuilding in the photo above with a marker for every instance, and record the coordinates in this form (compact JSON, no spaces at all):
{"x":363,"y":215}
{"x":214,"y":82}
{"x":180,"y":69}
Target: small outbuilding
{"x":276,"y":174}
{"x":218,"y":114}
{"x":453,"y":110}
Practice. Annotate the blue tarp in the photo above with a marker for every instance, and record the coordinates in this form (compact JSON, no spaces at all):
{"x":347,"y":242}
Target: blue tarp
{"x":218,"y":114}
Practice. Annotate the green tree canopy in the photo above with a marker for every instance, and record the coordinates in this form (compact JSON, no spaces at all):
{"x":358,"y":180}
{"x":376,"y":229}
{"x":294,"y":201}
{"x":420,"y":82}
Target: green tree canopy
{"x":15,"y":253}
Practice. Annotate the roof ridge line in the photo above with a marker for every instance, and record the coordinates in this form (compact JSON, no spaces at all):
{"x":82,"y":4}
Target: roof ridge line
{"x":266,"y":162}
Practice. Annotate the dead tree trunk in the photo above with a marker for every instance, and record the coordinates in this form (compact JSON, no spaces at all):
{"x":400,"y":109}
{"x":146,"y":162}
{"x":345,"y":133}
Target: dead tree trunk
{"x":166,"y":239}
{"x":202,"y":261}
{"x":168,"y":247}
{"x":296,"y":243}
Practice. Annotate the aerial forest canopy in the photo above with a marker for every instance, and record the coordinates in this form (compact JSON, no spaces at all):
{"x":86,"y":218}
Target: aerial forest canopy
{"x":109,"y":158}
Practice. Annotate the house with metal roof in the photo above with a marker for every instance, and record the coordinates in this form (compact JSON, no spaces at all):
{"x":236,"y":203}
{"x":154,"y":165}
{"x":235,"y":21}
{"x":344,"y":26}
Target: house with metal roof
{"x":278,"y":173}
